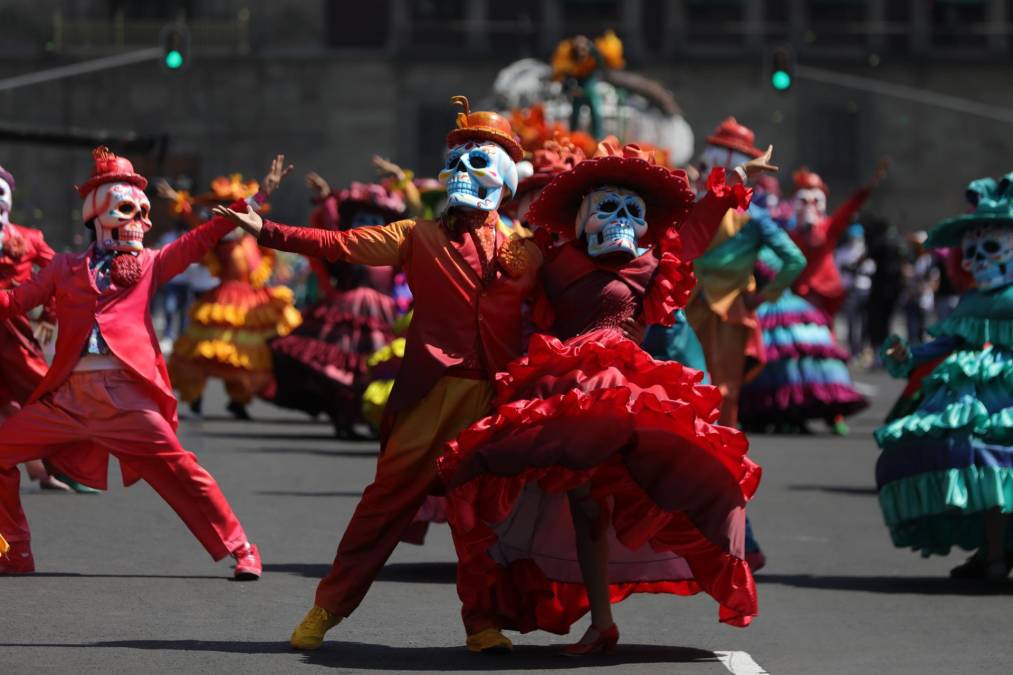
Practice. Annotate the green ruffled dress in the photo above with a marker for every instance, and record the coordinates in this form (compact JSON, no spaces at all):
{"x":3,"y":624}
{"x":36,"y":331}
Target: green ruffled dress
{"x":951,"y":459}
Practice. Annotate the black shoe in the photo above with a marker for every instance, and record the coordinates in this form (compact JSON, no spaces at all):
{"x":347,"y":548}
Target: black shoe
{"x":238,"y":410}
{"x":197,"y":406}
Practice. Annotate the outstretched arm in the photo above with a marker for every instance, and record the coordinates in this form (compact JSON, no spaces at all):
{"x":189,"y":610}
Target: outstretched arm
{"x":792,"y":259}
{"x":191,"y":247}
{"x":374,"y":245}
{"x":36,"y":291}
{"x":900,"y":358}
{"x":842,"y":216}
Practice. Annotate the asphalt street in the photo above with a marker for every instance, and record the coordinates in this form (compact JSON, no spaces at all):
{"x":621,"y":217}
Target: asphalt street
{"x":122,"y":586}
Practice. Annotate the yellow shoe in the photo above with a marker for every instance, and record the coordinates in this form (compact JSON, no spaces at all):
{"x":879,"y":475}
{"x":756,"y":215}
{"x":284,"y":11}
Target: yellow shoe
{"x":310,"y":632}
{"x":4,"y":546}
{"x":489,"y":641}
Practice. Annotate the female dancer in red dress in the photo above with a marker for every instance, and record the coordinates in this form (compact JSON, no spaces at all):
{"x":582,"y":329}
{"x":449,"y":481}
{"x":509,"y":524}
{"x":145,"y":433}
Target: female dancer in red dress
{"x":107,"y":391}
{"x":603,"y":472}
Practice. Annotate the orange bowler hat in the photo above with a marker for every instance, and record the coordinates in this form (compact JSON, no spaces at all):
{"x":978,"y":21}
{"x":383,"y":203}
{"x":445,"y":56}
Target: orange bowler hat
{"x":484,"y":125}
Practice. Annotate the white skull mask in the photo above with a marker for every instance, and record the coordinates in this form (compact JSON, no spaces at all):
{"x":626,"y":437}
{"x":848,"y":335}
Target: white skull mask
{"x":988,"y":252}
{"x":810,"y":206}
{"x":121,"y":213}
{"x":6,"y":202}
{"x":716,"y":156}
{"x":613,"y":220}
{"x":479,"y":176}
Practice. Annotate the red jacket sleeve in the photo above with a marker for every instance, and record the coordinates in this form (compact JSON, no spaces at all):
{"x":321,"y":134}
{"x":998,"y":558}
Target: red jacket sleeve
{"x":843,"y":215}
{"x":36,"y":291}
{"x":43,"y":256}
{"x":192,"y":246}
{"x":373,"y":245}
{"x":697,"y":231}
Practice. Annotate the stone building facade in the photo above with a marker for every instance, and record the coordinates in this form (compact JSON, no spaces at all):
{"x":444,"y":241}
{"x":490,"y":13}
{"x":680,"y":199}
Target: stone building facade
{"x":332,"y":82}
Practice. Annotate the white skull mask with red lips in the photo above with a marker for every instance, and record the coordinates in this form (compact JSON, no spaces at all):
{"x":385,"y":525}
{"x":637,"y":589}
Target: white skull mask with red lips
{"x":121,"y":213}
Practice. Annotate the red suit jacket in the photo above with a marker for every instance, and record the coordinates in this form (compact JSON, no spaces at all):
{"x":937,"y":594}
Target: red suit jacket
{"x":32,"y":250}
{"x":820,"y":282}
{"x":121,"y":313}
{"x":459,"y":324}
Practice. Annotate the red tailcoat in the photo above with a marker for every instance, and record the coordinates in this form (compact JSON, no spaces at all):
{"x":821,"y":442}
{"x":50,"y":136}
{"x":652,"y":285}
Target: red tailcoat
{"x":820,"y":282}
{"x":459,"y":323}
{"x":21,"y":359}
{"x":122,"y":316}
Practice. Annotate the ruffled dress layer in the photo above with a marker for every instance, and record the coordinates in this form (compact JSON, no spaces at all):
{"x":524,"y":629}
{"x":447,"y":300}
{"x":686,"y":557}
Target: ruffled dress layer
{"x":951,"y":459}
{"x":231,"y":324}
{"x":806,"y":375}
{"x":323,"y":366}
{"x":596,"y":409}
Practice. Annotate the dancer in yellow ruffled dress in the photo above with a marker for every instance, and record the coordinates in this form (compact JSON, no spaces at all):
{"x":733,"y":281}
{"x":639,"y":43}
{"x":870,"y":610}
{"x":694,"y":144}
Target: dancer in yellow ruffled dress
{"x":231,"y":324}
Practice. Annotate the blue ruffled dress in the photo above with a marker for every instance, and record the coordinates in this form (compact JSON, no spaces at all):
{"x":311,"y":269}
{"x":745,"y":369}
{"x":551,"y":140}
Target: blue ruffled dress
{"x":951,"y":459}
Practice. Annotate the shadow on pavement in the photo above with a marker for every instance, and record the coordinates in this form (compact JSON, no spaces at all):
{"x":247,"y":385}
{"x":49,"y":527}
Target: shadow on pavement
{"x":308,"y":493}
{"x":413,"y":659}
{"x":413,"y":573}
{"x":899,"y":585}
{"x":853,"y":490}
{"x":373,"y":452}
{"x":85,"y":575}
{"x":261,"y":436}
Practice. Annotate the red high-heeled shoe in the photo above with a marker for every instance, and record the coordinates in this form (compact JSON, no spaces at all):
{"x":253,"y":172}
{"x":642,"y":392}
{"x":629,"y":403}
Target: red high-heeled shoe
{"x":604,"y":643}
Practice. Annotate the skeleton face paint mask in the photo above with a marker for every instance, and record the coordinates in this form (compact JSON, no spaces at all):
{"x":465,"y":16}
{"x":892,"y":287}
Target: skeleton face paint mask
{"x":6,"y":202}
{"x":810,"y":206}
{"x":121,"y":213}
{"x":988,"y":254}
{"x":613,"y":220}
{"x":479,"y":176}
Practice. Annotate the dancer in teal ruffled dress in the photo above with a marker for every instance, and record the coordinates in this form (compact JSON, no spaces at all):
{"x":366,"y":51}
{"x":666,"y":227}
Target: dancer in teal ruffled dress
{"x":945,"y":476}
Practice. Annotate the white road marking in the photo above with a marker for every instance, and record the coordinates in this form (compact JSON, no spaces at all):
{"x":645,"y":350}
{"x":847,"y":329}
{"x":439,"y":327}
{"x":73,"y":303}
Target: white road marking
{"x":740,"y":663}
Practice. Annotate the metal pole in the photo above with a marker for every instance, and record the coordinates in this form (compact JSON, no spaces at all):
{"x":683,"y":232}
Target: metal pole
{"x":81,"y":68}
{"x":905,"y":92}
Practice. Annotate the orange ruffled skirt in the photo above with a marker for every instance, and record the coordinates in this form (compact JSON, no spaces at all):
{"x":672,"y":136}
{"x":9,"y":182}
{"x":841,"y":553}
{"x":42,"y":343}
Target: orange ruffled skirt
{"x":598,"y":410}
{"x":227,"y":337}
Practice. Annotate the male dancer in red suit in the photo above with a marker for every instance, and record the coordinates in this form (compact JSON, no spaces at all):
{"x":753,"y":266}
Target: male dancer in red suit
{"x":107,"y":391}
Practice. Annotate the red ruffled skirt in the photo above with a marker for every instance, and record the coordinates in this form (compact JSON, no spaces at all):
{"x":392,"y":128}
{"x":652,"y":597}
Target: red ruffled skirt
{"x":323,"y":366}
{"x":22,"y":362}
{"x":598,"y":410}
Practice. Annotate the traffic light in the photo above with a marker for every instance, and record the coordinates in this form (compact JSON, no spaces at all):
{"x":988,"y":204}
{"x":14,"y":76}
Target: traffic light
{"x":782,"y":68}
{"x":175,"y":47}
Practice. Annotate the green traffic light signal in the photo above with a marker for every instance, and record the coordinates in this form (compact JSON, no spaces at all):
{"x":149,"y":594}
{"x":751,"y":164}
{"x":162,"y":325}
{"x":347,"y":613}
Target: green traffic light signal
{"x":781,"y":80}
{"x":173,"y":59}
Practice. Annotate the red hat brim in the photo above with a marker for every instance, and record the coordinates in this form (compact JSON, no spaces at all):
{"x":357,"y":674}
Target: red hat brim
{"x":465,"y":134}
{"x":666,"y":193}
{"x":734,"y":145}
{"x":93,"y":182}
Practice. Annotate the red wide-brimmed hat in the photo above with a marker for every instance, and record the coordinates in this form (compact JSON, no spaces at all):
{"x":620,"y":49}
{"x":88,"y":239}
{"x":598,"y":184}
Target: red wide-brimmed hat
{"x":805,"y":179}
{"x":484,"y":126}
{"x":553,"y":158}
{"x":666,"y":192}
{"x":370,"y":195}
{"x":110,"y":168}
{"x":734,"y":136}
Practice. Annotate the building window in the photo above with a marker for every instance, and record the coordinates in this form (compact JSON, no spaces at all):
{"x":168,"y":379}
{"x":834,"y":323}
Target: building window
{"x":513,"y":27}
{"x":836,"y":23}
{"x":959,"y":23}
{"x":715,"y":22}
{"x":590,"y":17}
{"x":438,"y":23}
{"x":152,"y":9}
{"x":830,"y":141}
{"x":359,"y":25}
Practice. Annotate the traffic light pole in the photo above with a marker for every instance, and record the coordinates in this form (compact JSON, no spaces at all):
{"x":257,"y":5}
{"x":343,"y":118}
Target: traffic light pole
{"x":901,"y":91}
{"x":61,"y":72}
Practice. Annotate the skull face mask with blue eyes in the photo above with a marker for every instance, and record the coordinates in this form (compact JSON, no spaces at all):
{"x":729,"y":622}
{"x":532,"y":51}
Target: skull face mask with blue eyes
{"x":612,"y":219}
{"x":988,"y":255}
{"x":479,"y":176}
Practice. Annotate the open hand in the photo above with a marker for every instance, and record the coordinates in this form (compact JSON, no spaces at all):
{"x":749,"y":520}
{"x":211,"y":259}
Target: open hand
{"x":249,"y":221}
{"x":388,"y":168}
{"x":165,"y":191}
{"x":897,"y":349}
{"x":316,"y":183}
{"x":881,"y":169}
{"x":634,"y":330}
{"x":760,"y":165}
{"x":276,"y":174}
